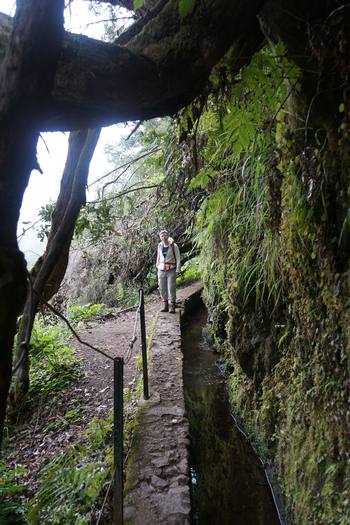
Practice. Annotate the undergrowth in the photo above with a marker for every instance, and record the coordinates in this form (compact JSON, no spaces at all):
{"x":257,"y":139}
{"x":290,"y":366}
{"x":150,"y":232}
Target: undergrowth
{"x":70,"y":486}
{"x":12,"y":496}
{"x":53,"y":362}
{"x":87,"y":312}
{"x":190,"y":272}
{"x":73,"y":485}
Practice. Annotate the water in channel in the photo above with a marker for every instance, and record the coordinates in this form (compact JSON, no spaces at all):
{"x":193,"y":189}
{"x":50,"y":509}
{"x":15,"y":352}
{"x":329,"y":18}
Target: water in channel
{"x":228,"y":484}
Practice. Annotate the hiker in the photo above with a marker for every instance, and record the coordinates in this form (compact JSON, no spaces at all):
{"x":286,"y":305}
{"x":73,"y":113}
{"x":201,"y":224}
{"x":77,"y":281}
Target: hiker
{"x":168,"y":266}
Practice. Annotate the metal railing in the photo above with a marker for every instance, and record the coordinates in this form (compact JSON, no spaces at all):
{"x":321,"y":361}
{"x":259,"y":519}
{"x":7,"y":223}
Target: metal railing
{"x":118,"y":413}
{"x":118,"y":399}
{"x":118,"y":436}
{"x":143,"y":344}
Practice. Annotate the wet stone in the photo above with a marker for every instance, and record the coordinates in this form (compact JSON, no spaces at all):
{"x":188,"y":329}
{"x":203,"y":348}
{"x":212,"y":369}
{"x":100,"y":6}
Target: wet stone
{"x":182,"y":480}
{"x":156,"y":481}
{"x":160,"y":462}
{"x":183,"y":466}
{"x":146,"y":488}
{"x":129,"y":512}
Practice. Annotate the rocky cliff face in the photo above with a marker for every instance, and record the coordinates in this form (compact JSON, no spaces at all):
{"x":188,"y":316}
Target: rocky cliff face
{"x":284,"y":326}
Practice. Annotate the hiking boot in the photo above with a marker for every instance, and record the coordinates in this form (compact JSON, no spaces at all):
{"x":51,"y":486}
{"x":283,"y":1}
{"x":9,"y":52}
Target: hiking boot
{"x":172,"y":308}
{"x":165,"y":307}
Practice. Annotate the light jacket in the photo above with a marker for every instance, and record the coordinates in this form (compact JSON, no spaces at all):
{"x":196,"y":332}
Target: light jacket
{"x":172,"y":259}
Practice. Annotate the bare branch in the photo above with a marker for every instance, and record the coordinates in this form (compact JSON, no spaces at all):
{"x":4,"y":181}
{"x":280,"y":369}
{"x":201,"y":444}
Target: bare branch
{"x":124,"y":165}
{"x":134,"y":130}
{"x":122,"y":193}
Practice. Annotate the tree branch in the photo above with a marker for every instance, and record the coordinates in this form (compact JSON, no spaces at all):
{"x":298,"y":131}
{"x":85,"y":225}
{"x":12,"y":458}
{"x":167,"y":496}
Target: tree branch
{"x":122,"y":193}
{"x":159,"y":68}
{"x":126,"y":164}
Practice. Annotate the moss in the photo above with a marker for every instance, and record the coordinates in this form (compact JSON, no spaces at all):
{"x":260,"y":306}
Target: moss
{"x":280,"y":314}
{"x":297,"y":412}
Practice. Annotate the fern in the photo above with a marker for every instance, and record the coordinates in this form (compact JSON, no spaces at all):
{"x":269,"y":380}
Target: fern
{"x":233,"y":225}
{"x":138,"y":4}
{"x":71,"y":484}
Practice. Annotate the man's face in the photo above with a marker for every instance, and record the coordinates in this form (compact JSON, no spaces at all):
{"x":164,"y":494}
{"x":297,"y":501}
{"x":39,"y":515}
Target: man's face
{"x":164,"y":237}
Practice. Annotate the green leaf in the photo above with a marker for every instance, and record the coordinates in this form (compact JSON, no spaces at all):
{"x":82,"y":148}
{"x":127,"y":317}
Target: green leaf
{"x":138,"y":4}
{"x":199,"y":181}
{"x":186,"y":7}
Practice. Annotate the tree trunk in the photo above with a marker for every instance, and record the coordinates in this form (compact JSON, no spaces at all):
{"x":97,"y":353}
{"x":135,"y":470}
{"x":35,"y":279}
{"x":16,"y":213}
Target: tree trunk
{"x":154,"y":69}
{"x":50,"y":268}
{"x":26,"y":81}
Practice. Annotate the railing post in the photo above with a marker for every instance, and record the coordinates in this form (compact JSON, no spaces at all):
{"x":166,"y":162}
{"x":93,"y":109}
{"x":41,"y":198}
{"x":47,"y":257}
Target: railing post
{"x":143,"y":345}
{"x":118,"y":441}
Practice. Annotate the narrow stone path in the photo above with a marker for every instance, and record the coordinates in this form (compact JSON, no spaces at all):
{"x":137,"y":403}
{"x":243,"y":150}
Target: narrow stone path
{"x":157,"y":483}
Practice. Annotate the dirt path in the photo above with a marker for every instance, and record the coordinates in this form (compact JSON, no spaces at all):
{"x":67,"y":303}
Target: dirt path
{"x":49,"y":433}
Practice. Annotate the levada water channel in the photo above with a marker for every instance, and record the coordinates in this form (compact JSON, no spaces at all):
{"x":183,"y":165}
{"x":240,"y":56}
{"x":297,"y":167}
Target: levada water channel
{"x":228,"y":485}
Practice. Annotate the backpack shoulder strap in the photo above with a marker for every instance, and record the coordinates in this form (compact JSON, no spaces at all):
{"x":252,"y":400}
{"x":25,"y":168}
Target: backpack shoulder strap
{"x":172,"y":247}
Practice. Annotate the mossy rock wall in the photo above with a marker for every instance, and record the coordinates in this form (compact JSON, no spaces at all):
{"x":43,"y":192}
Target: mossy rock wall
{"x":289,"y":353}
{"x":275,"y":251}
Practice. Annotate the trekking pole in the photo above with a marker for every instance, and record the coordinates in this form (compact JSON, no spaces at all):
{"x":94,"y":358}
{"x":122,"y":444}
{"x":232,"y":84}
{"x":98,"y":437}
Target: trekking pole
{"x":118,"y":441}
{"x":143,"y":345}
